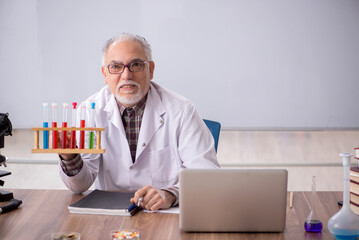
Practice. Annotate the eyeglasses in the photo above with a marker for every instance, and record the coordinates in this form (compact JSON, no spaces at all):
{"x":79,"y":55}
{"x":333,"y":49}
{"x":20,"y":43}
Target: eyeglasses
{"x":132,"y":67}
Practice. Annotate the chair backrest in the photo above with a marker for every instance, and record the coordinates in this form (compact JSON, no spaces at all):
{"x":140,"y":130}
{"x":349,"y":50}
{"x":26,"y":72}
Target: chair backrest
{"x":215,"y":128}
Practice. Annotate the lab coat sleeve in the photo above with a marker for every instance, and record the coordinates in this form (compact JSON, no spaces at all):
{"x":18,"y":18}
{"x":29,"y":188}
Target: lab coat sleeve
{"x":82,"y":181}
{"x":195,"y":145}
{"x":195,"y":142}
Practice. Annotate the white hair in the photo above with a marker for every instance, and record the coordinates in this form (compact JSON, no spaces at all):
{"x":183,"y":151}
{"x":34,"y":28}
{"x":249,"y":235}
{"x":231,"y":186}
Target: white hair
{"x":127,"y":37}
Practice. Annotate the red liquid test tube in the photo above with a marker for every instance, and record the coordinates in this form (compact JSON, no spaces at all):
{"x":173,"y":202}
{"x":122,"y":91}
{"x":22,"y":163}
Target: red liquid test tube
{"x":73,"y":132}
{"x":64,"y":124}
{"x":82,"y":124}
{"x":54,"y":124}
{"x":64,"y":135}
{"x":54,"y":136}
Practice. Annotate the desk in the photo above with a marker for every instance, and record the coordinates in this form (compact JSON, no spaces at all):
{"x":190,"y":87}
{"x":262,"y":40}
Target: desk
{"x":45,"y":211}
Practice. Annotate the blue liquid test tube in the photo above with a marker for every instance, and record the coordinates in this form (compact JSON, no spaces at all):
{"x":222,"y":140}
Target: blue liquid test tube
{"x":45,"y":124}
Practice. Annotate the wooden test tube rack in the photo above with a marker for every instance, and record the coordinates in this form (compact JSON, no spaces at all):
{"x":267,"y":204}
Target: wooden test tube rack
{"x":97,"y":149}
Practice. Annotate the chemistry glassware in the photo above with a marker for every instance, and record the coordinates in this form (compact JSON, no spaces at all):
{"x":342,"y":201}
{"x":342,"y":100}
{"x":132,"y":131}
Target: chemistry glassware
{"x":92,"y":124}
{"x":313,"y":224}
{"x":54,"y":125}
{"x":45,"y":124}
{"x":345,"y":223}
{"x":64,"y":124}
{"x":73,"y":132}
{"x":82,"y":124}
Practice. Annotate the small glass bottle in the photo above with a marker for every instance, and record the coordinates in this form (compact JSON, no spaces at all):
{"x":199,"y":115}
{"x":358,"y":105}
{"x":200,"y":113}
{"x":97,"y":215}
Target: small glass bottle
{"x":313,"y":224}
{"x":345,"y":223}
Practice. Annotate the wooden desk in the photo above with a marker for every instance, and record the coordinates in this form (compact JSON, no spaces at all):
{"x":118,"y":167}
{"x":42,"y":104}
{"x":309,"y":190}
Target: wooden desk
{"x":45,"y":211}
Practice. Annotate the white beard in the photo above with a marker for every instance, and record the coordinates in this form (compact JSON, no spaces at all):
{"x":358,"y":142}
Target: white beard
{"x":129,"y":99}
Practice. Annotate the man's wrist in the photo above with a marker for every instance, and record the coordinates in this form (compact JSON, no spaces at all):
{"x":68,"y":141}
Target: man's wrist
{"x":71,"y":167}
{"x":170,"y":198}
{"x":68,"y":157}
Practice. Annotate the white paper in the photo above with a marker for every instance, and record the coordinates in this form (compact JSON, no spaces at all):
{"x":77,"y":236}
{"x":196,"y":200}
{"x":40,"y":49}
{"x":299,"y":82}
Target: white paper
{"x":174,"y":210}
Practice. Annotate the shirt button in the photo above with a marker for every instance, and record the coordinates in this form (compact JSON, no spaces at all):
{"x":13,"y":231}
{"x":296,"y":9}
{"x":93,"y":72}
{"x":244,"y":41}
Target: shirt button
{"x":143,"y":144}
{"x":161,"y":121}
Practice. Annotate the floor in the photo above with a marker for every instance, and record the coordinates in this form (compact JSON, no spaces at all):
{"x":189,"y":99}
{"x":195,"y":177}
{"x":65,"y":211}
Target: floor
{"x":303,"y":153}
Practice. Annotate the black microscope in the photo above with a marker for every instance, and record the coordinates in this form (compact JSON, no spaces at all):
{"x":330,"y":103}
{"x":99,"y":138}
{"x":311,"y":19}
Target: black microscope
{"x":5,"y":196}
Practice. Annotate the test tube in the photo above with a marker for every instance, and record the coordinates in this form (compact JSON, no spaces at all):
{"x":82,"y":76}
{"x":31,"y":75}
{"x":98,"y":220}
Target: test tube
{"x":45,"y":124}
{"x":64,"y":123}
{"x":73,"y":132}
{"x":92,"y":124}
{"x":82,"y":124}
{"x":54,"y":124}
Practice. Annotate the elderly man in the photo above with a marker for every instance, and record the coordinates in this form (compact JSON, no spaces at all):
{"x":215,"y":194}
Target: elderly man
{"x":150,"y":132}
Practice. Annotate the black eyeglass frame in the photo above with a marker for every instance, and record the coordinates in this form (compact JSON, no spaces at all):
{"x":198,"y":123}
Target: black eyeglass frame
{"x":127,"y":66}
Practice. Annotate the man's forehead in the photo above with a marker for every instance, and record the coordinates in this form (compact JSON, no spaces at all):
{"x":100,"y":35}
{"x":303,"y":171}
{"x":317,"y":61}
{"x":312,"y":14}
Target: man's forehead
{"x":126,"y":51}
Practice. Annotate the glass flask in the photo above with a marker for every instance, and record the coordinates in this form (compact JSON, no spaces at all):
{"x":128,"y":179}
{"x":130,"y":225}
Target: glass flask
{"x":345,"y":223}
{"x":313,"y":224}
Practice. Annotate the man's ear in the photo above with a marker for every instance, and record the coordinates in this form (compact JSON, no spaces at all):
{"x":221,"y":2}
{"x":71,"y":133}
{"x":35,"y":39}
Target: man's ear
{"x":152,"y":69}
{"x":104,"y":73}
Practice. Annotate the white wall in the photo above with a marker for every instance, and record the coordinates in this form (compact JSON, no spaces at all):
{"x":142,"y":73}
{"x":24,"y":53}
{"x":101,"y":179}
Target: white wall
{"x":248,"y":64}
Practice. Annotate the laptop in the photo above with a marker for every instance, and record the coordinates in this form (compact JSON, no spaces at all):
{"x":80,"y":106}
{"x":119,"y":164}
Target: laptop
{"x":233,"y":200}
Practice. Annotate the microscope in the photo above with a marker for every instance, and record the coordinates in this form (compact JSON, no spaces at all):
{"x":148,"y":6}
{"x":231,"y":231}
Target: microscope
{"x":5,"y":196}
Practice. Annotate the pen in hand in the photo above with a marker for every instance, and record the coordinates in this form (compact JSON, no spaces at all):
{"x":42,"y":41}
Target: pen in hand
{"x":139,"y":202}
{"x":135,"y":208}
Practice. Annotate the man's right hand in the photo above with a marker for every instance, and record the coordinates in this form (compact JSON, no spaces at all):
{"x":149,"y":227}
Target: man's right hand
{"x":65,"y":156}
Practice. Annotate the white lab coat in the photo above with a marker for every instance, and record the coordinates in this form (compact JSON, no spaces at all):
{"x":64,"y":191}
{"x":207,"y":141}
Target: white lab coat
{"x":172,"y":136}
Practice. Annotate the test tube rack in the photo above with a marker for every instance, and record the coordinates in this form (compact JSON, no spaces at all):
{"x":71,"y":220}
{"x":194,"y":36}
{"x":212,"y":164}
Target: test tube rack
{"x":97,"y":149}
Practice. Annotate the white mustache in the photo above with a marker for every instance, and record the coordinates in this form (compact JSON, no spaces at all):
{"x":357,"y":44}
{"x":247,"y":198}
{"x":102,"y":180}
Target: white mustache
{"x":122,"y":83}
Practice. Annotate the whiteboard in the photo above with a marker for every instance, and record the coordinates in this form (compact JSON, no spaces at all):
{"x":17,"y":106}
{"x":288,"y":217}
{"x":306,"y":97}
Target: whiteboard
{"x":248,"y":64}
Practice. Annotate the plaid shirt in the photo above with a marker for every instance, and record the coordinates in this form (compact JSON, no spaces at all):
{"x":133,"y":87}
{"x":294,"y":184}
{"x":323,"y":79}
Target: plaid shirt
{"x":132,"y":119}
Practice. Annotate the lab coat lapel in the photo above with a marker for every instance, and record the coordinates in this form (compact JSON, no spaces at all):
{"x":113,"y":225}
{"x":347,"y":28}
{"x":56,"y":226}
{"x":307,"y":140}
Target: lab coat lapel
{"x":113,"y":114}
{"x":152,"y":120}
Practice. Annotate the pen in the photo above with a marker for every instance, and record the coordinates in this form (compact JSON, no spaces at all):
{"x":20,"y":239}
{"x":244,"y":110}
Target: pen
{"x":135,"y":208}
{"x":139,"y":202}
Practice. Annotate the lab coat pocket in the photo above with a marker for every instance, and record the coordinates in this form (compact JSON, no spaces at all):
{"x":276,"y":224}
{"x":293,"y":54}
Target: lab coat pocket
{"x":164,"y":167}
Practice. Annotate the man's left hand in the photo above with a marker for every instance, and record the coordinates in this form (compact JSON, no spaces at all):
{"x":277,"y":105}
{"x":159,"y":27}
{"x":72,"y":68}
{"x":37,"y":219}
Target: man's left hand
{"x":154,"y":199}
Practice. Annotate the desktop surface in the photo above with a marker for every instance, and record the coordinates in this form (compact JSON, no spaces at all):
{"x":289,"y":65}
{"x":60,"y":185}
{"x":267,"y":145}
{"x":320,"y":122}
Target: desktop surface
{"x":44,"y":212}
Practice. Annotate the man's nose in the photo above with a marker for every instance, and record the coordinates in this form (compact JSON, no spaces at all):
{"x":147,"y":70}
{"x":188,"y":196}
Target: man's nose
{"x":126,"y":74}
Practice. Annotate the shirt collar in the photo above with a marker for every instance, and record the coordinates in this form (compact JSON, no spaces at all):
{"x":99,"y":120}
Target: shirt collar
{"x":139,"y":107}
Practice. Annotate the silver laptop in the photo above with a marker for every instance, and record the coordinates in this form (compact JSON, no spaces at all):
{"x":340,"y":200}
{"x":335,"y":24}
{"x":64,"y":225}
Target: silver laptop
{"x":233,"y":200}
